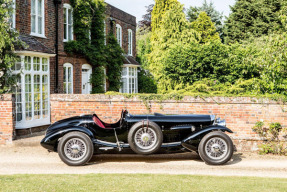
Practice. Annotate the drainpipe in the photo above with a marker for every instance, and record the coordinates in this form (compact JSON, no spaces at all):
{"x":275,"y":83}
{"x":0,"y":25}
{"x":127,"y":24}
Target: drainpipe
{"x":57,"y":3}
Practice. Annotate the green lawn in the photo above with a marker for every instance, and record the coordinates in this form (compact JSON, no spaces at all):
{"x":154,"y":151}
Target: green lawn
{"x":130,"y":182}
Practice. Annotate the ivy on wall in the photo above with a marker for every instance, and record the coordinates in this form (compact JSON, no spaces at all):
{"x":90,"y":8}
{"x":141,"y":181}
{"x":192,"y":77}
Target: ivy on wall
{"x":89,"y":17}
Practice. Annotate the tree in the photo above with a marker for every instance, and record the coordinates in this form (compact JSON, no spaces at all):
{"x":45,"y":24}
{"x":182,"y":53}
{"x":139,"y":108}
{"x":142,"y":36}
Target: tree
{"x":159,"y":9}
{"x":252,"y":18}
{"x":209,"y":9}
{"x":146,"y":22}
{"x":8,"y":40}
{"x":205,"y":27}
{"x":170,"y":27}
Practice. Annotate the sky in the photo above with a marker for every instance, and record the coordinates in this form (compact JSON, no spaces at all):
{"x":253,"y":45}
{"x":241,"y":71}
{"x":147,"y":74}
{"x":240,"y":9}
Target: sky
{"x":137,"y":7}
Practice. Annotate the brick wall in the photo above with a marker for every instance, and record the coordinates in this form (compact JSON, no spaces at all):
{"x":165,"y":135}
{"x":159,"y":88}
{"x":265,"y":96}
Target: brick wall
{"x":241,"y":114}
{"x":6,"y":119}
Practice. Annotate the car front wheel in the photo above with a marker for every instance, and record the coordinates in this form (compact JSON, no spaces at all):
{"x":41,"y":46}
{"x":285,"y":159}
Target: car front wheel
{"x":75,"y":149}
{"x":216,"y":148}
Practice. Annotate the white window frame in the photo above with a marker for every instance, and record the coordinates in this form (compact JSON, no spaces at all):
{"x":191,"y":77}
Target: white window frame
{"x":129,"y":78}
{"x":105,"y":31}
{"x":66,"y":8}
{"x":66,"y":89}
{"x":24,"y":123}
{"x":13,"y":15}
{"x":88,"y":67}
{"x":130,"y":42}
{"x":105,"y":79}
{"x":119,"y":35}
{"x":36,"y":33}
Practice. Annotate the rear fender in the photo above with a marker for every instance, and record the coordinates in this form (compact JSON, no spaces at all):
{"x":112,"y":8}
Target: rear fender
{"x":50,"y":141}
{"x":205,"y":131}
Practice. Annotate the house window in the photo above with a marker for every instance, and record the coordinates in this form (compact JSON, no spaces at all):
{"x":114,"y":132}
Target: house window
{"x":105,"y":29}
{"x":105,"y":79}
{"x":129,"y":80}
{"x":130,"y":42}
{"x":37,"y":18}
{"x":32,"y":91}
{"x":12,"y":18}
{"x":119,"y":34}
{"x":68,"y":78}
{"x":68,"y":23}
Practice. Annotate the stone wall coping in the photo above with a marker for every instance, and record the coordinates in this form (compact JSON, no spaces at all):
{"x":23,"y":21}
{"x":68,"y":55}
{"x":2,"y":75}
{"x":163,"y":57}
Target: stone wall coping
{"x":6,"y":97}
{"x":186,"y":99}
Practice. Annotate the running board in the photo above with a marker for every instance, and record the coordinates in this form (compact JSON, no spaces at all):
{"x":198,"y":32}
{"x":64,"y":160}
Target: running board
{"x":108,"y":145}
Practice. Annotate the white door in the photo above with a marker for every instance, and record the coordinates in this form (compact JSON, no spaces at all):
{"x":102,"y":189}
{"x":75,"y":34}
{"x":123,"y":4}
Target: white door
{"x":86,"y":74}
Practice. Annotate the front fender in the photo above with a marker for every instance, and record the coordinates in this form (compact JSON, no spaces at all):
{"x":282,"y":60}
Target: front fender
{"x":205,"y":131}
{"x":50,"y":141}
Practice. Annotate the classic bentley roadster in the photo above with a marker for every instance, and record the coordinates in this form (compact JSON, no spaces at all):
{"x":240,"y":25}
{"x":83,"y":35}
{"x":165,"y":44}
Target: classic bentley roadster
{"x":77,"y":139}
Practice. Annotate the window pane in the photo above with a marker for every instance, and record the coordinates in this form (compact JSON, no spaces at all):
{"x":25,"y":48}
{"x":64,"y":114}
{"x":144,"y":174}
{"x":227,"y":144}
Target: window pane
{"x":33,"y":23}
{"x":18,"y":103}
{"x":70,"y":16}
{"x":45,"y":64}
{"x":33,"y":7}
{"x":45,"y":107}
{"x":27,"y":63}
{"x":36,"y":63}
{"x":40,"y":8}
{"x":124,"y":73}
{"x":37,"y":97}
{"x":28,"y":97}
{"x":40,"y":23}
{"x":70,"y":32}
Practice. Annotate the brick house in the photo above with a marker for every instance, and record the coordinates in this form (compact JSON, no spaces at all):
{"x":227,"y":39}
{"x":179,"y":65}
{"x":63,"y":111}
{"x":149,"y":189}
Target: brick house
{"x":44,"y":66}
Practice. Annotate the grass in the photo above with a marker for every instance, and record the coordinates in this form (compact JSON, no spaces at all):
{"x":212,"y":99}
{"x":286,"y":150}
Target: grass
{"x":138,"y":182}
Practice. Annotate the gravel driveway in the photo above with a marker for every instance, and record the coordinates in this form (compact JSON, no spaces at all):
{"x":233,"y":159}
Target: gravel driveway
{"x":26,"y":156}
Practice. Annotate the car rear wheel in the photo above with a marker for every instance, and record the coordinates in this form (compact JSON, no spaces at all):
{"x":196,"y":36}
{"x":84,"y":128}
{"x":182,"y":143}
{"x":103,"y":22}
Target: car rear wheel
{"x":145,"y":137}
{"x":75,"y":149}
{"x":216,"y":148}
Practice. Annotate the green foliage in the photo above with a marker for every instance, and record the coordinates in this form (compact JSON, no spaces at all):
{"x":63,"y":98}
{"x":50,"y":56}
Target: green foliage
{"x":89,"y":16}
{"x":143,"y":47}
{"x":8,"y":40}
{"x":272,"y":143}
{"x":252,"y":18}
{"x":114,"y":60}
{"x":209,"y":9}
{"x":146,"y":82}
{"x":172,"y":28}
{"x":204,"y":26}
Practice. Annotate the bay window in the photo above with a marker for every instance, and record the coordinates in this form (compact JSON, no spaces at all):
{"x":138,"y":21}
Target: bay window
{"x":129,"y":80}
{"x":32,"y":91}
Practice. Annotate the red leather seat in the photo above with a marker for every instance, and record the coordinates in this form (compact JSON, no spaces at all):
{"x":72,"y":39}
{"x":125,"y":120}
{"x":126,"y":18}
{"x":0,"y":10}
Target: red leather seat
{"x":98,"y":122}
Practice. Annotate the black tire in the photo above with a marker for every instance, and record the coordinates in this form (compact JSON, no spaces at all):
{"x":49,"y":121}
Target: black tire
{"x":222,"y":141}
{"x":84,"y":145}
{"x":154,"y":134}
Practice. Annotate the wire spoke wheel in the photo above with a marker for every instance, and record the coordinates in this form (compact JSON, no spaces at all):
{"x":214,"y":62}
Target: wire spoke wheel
{"x":75,"y":149}
{"x":145,"y":138}
{"x":216,"y":148}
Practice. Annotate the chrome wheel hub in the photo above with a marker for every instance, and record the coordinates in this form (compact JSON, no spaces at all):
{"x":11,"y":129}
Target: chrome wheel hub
{"x":145,"y":138}
{"x":216,"y":148}
{"x":75,"y":149}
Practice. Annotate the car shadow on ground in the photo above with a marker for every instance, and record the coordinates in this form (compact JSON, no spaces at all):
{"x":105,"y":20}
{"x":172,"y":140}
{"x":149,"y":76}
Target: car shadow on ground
{"x":157,"y":158}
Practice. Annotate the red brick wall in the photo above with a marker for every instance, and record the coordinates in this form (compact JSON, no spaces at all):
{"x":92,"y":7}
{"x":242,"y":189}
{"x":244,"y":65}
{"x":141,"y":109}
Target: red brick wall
{"x":241,"y":114}
{"x":6,"y":119}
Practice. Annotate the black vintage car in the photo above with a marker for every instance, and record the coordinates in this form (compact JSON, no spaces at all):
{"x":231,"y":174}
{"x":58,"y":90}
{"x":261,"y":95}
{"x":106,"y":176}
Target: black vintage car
{"x":77,"y":139}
